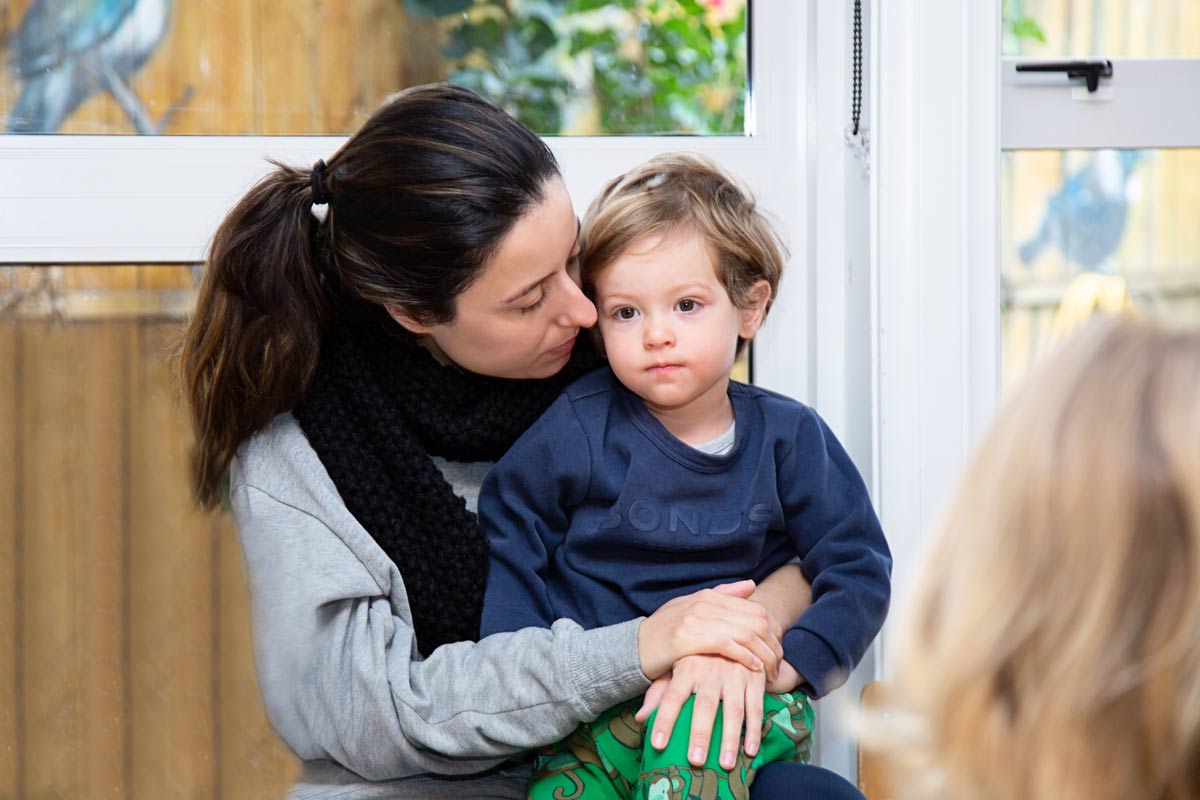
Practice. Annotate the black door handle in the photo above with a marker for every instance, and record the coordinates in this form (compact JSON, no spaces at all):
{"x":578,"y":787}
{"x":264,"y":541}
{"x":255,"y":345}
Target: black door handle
{"x":1093,"y":71}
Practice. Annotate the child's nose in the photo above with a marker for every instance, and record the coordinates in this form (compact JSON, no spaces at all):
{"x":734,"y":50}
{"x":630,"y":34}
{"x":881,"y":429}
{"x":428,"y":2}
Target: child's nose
{"x":659,"y":335}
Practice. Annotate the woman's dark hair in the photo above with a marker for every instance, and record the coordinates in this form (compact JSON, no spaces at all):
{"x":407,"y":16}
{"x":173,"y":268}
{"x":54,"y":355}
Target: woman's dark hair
{"x":419,"y":199}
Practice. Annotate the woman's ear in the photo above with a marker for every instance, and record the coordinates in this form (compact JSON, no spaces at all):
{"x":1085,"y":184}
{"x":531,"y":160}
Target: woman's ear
{"x":755,"y":310}
{"x":406,"y":320}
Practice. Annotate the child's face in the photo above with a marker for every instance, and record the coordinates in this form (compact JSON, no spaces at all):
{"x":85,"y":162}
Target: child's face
{"x":670,"y":329}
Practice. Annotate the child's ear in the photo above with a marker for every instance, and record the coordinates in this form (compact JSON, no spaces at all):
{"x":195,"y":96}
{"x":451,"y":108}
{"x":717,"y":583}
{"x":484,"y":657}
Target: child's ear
{"x":407,"y":320}
{"x":755,"y":309}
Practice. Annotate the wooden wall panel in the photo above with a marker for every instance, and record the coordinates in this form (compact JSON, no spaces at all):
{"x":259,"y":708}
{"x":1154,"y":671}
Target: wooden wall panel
{"x":72,"y":578}
{"x":172,"y":590}
{"x":10,"y":549}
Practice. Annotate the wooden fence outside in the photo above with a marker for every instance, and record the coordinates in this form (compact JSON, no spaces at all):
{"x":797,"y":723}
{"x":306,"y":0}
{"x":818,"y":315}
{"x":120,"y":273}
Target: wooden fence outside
{"x":264,"y":67}
{"x":126,"y":667}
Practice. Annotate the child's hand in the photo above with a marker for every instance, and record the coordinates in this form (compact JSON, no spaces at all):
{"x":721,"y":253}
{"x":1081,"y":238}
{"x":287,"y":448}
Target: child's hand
{"x":716,"y":682}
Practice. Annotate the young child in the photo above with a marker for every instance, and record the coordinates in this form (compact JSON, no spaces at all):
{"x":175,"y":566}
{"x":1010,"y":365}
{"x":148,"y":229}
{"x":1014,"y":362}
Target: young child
{"x":661,"y":476}
{"x":1051,"y":650}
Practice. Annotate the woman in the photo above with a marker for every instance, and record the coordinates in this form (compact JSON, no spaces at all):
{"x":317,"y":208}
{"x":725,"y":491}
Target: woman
{"x":1052,"y":650}
{"x":354,"y":377}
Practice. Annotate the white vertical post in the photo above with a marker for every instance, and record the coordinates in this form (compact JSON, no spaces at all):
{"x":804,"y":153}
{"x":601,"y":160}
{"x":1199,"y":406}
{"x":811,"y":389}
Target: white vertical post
{"x":936,"y":254}
{"x":841,"y":290}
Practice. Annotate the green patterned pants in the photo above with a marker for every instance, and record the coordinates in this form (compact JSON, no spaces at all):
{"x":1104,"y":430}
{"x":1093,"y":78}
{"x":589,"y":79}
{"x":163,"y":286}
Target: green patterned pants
{"x":612,"y":758}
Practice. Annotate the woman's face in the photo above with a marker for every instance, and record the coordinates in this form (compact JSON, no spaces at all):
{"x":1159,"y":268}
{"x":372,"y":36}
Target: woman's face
{"x":521,"y":317}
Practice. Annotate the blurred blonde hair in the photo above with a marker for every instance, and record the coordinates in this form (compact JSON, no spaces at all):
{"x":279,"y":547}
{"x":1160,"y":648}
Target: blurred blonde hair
{"x":681,"y":191}
{"x":1052,"y":646}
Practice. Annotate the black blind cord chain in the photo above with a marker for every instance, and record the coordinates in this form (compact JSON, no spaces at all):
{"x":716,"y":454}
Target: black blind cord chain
{"x":857,"y":92}
{"x":858,"y":137}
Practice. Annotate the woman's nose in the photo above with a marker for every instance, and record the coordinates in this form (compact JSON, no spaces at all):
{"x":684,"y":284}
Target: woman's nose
{"x":578,"y":311}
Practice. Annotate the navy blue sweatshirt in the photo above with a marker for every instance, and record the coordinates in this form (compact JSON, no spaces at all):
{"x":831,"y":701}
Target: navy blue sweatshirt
{"x":599,"y":514}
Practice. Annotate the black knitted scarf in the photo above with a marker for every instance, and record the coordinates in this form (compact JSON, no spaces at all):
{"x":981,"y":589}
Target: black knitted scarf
{"x":379,"y":407}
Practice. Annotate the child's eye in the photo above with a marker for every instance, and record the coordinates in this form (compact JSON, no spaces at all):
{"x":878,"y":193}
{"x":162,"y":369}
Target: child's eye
{"x":687,"y":305}
{"x":625,"y":312}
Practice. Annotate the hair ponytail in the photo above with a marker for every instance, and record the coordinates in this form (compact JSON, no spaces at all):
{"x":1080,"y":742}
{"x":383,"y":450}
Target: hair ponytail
{"x":251,"y":348}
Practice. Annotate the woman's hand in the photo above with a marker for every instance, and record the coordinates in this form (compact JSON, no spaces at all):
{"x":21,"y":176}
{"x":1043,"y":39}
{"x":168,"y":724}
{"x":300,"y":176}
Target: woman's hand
{"x":716,"y":621}
{"x":716,"y":682}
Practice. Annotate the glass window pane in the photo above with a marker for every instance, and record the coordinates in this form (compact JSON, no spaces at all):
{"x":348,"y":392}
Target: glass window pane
{"x":280,"y":67}
{"x":1095,"y":229}
{"x":1109,"y":28}
{"x":131,"y":631}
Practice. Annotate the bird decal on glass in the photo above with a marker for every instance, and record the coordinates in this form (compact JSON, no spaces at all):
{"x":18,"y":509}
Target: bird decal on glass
{"x":1085,"y":219}
{"x":64,"y":51}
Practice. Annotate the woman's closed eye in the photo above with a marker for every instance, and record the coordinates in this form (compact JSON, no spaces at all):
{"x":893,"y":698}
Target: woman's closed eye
{"x":572,"y":272}
{"x":543,"y":295}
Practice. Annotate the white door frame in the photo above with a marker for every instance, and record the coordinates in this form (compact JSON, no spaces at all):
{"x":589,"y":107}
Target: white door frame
{"x":935,"y":256}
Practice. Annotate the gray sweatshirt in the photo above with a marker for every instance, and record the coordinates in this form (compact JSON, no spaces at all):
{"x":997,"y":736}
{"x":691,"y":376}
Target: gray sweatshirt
{"x":343,"y":683}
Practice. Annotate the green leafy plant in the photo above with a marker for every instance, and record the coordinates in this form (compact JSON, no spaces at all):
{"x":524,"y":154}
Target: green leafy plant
{"x":1018,"y":27}
{"x":637,"y":66}
{"x":675,"y":68}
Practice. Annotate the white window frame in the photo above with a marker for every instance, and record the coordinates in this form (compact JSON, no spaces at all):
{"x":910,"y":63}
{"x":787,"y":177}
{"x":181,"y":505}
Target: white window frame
{"x":127,"y":199}
{"x":1147,"y":103}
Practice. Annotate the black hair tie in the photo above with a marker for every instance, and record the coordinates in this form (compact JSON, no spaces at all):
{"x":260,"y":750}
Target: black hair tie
{"x":319,"y":196}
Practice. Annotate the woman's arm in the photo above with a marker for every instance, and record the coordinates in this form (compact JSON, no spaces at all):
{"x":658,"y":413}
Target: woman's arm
{"x":342,"y":679}
{"x":785,"y":593}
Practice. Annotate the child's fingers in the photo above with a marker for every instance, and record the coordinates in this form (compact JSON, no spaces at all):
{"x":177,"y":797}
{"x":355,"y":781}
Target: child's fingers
{"x":732,"y":709}
{"x":754,"y":716}
{"x":673,"y":698}
{"x":704,"y":714}
{"x":652,"y":698}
